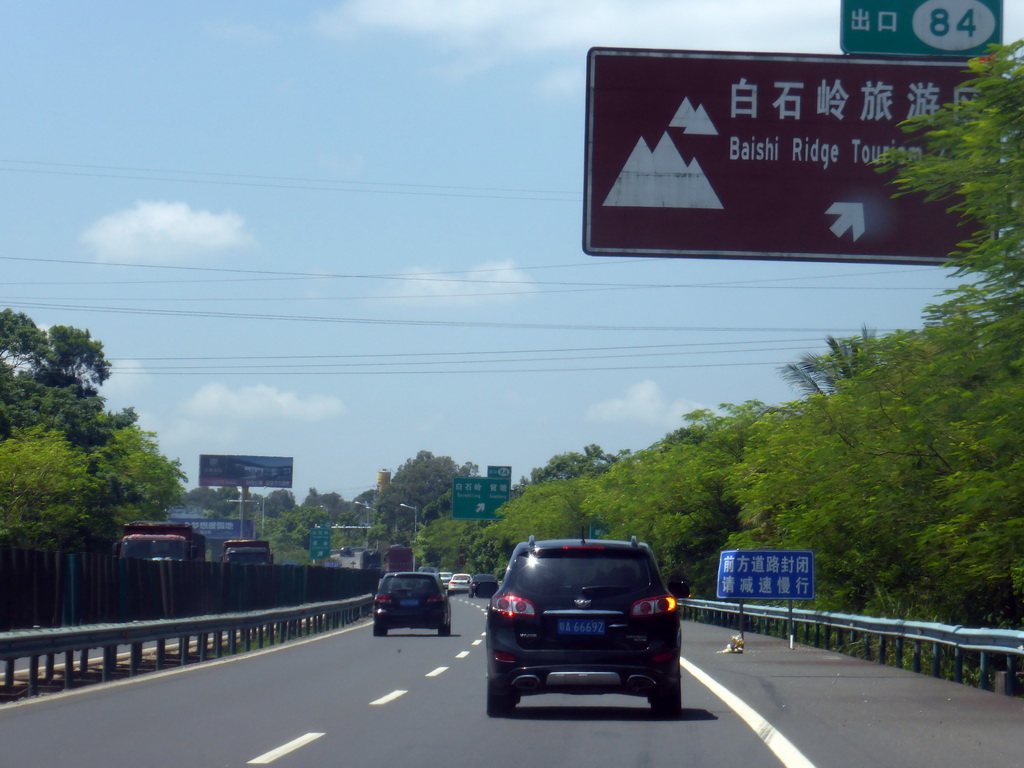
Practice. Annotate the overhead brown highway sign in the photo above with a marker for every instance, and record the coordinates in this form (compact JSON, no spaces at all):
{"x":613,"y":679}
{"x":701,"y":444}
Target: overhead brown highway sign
{"x":759,"y":156}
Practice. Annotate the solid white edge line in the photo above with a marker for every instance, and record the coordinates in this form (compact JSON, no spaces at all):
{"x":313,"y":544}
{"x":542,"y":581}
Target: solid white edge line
{"x":291,"y":746}
{"x":783,"y":748}
{"x":386,"y":699}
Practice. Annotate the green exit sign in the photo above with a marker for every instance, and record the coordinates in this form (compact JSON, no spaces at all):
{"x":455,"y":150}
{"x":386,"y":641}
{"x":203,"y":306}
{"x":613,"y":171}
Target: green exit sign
{"x":320,"y":542}
{"x":478,"y":498}
{"x":954,"y":28}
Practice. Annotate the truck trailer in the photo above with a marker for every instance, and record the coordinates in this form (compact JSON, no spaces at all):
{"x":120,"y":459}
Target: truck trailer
{"x":247,"y":551}
{"x":161,"y":541}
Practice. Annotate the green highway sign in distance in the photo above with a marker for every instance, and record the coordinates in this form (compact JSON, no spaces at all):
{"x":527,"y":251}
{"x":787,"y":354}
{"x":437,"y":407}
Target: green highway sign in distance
{"x":319,"y":543}
{"x":478,"y":498}
{"x":956,"y":28}
{"x":499,"y":473}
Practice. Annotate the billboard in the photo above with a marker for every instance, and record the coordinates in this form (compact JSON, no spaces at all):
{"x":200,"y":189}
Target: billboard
{"x":247,"y":471}
{"x":759,"y":156}
{"x":221,"y":530}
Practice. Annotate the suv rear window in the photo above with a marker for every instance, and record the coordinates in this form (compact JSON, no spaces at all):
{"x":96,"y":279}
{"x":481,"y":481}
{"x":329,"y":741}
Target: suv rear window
{"x":568,"y":572}
{"x":416,"y":586}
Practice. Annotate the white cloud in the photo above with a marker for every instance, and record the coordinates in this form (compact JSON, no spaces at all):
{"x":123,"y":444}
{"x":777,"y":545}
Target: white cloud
{"x":218,"y":403}
{"x":506,"y":29}
{"x":645,"y":403}
{"x":487,"y":283}
{"x":161,"y":232}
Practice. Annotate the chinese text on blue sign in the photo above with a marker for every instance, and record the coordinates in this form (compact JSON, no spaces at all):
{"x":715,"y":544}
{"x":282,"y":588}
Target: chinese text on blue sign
{"x":774,"y":574}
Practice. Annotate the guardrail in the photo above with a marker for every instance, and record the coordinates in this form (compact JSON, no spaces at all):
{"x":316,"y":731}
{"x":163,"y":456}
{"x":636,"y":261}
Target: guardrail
{"x":953,"y":647}
{"x":197,"y":639}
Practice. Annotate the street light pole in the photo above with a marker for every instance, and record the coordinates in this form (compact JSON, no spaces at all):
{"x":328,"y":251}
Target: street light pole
{"x":415,"y":528}
{"x":369,"y":509}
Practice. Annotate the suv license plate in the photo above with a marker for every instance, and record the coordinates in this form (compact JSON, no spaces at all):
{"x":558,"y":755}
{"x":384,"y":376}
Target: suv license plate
{"x":581,"y":626}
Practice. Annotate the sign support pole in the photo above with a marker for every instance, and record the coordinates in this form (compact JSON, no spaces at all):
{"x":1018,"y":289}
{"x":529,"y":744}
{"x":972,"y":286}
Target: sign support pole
{"x":241,"y":509}
{"x":792,"y":627}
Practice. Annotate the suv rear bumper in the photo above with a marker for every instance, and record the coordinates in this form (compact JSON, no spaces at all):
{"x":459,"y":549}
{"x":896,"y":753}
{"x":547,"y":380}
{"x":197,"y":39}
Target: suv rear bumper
{"x":644,"y":679}
{"x":434,"y":619}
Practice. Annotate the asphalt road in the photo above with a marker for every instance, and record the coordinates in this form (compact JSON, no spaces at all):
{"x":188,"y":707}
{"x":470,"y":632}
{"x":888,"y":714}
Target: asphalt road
{"x":415,"y":699}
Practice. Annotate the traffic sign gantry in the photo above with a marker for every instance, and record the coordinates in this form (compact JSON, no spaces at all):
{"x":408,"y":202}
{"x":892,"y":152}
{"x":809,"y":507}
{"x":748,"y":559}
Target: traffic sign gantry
{"x":960,"y":28}
{"x":759,"y":156}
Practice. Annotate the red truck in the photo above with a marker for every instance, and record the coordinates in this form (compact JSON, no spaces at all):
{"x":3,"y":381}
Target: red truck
{"x":247,"y":551}
{"x":161,"y":541}
{"x":398,"y":559}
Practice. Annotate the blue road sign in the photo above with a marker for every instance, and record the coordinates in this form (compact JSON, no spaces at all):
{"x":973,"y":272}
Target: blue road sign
{"x":766,"y":574}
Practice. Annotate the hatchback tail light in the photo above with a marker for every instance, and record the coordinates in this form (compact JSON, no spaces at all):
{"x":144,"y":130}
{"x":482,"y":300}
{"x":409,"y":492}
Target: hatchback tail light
{"x":653,"y":606}
{"x":383,"y":600}
{"x":435,"y":599}
{"x":512,"y":606}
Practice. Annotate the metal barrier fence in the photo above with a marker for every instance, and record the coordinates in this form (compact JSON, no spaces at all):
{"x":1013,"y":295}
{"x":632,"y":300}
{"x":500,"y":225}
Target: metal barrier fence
{"x":989,"y":656}
{"x":193,"y":640}
{"x":55,"y":589}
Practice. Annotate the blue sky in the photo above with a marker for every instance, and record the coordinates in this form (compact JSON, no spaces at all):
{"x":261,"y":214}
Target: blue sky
{"x":350,"y":231}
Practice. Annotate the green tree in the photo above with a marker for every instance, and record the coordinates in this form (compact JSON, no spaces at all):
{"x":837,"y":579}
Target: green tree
{"x":43,"y":479}
{"x":566,"y":466}
{"x":288,"y":533}
{"x":821,"y":374}
{"x":72,"y":359}
{"x":134,"y":482}
{"x":22,"y":343}
{"x":423,"y":482}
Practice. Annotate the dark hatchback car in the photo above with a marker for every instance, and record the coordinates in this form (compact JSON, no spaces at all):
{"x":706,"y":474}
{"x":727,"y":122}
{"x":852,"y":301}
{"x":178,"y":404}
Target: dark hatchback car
{"x":483,"y":585}
{"x":412,"y":600}
{"x":584,"y":617}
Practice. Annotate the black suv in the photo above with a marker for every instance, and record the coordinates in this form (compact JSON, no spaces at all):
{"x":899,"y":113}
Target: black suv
{"x":584,"y":616}
{"x":411,"y":599}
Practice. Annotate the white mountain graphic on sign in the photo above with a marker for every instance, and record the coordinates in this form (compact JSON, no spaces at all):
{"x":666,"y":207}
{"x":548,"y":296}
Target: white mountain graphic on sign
{"x":661,"y":179}
{"x":693,"y":120}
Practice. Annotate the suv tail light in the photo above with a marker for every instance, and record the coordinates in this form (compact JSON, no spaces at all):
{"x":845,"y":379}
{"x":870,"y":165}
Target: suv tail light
{"x":653,"y":606}
{"x":382,"y":600}
{"x":512,"y":606}
{"x":435,"y":599}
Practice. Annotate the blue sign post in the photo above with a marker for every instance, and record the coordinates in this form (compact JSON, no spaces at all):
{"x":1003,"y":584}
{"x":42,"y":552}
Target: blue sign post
{"x":766,"y":574}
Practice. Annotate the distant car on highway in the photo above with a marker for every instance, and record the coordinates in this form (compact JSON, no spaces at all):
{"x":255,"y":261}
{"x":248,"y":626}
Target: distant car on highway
{"x":459,"y":582}
{"x":446,"y":576}
{"x":483,"y":585}
{"x":414,"y":600}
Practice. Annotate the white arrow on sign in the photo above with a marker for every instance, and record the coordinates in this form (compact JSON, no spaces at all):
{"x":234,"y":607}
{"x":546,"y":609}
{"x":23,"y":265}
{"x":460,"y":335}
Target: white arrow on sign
{"x":481,"y":507}
{"x":851,"y":216}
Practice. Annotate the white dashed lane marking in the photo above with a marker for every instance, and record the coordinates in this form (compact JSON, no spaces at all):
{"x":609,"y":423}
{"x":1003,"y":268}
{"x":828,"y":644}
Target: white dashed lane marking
{"x":387,"y":699}
{"x":291,"y":746}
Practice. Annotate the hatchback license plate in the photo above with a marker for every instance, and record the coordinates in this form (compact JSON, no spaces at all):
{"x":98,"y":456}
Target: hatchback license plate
{"x":581,"y":626}
{"x":409,"y":603}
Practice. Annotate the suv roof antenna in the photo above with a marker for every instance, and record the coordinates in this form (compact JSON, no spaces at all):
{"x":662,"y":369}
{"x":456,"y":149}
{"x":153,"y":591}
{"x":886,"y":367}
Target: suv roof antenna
{"x":583,"y":538}
{"x":632,"y":541}
{"x":532,"y":540}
